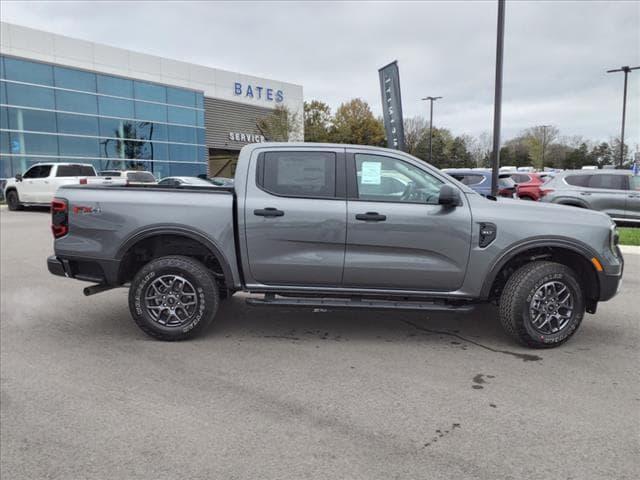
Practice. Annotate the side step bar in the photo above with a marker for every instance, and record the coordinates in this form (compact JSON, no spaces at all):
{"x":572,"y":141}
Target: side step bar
{"x":270,"y":300}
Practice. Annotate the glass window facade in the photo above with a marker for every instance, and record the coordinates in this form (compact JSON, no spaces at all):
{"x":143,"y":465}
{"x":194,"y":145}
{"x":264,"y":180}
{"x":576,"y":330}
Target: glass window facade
{"x":56,"y":113}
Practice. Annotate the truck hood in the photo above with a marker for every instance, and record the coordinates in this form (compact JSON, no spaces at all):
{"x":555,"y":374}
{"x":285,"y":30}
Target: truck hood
{"x":528,"y":211}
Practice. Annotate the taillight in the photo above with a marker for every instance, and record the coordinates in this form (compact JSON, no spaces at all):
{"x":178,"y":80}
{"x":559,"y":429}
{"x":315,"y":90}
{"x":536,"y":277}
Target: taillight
{"x":83,"y":181}
{"x":59,"y":217}
{"x":545,"y":191}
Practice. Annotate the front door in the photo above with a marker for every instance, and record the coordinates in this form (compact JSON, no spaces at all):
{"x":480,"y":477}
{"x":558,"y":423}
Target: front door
{"x":295,"y":217}
{"x":398,"y":236}
{"x":33,"y":183}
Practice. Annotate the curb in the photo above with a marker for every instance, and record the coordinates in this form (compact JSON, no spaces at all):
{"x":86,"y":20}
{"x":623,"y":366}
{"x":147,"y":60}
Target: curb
{"x":630,"y":249}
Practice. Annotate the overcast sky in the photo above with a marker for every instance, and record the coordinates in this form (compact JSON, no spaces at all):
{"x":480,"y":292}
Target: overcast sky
{"x":556,"y":53}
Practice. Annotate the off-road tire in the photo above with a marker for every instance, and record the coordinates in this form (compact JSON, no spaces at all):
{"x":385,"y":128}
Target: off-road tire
{"x":514,"y":306}
{"x":206,"y":293}
{"x":13,"y":201}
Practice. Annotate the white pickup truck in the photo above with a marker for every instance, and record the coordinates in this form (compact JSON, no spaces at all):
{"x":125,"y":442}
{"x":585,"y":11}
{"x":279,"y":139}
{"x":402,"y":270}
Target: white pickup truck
{"x":39,"y":183}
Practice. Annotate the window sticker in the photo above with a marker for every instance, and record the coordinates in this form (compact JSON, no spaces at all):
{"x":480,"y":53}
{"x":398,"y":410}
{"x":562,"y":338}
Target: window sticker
{"x":371,"y":173}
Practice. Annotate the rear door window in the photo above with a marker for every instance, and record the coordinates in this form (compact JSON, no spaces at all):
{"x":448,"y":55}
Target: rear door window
{"x":520,"y":177}
{"x":608,"y":181}
{"x":506,"y":181}
{"x":468,"y":179}
{"x":578,"y":180}
{"x":298,"y":174}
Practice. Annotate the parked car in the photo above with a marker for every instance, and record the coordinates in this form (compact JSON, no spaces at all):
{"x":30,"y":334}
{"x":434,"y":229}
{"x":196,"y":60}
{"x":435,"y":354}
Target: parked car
{"x":222,"y":181}
{"x":124,"y":177}
{"x":614,"y":192}
{"x":529,"y":184}
{"x":180,"y":181}
{"x":39,"y":183}
{"x":312,"y":225}
{"x":480,"y":181}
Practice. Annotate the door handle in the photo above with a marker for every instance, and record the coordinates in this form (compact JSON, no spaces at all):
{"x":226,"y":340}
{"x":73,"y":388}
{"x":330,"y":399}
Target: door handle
{"x":371,"y":217}
{"x":585,"y":193}
{"x":268,"y":212}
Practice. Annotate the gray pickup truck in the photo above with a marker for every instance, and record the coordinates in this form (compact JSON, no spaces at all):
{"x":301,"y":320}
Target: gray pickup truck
{"x":336,"y":226}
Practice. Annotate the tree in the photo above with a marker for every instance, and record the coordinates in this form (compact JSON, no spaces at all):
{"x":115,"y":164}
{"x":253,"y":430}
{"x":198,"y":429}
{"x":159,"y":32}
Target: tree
{"x":577,"y":158}
{"x":538,"y":140}
{"x":279,"y":126}
{"x":416,"y":131}
{"x":601,"y":155}
{"x":317,"y":121}
{"x":615,"y":147}
{"x":354,"y":123}
{"x":480,"y":149}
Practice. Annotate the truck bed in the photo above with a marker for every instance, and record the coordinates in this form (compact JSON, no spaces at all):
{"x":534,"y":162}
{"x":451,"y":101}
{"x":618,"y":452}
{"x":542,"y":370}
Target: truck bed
{"x":106,"y":222}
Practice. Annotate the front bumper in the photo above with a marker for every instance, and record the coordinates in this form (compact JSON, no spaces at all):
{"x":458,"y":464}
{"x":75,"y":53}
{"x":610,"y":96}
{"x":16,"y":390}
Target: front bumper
{"x":611,"y":279}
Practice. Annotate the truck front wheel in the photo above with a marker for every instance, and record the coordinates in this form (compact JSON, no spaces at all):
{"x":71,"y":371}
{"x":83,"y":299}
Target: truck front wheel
{"x":13,"y":201}
{"x":542,"y":304}
{"x":173,"y":298}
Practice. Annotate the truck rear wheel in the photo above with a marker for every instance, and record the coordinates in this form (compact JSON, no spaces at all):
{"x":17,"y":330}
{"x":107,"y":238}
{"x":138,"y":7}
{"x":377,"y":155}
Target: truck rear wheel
{"x":173,"y":298}
{"x":13,"y":201}
{"x":542,"y":304}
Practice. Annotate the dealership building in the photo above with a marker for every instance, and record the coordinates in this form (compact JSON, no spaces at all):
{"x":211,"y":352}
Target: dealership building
{"x":70,"y":100}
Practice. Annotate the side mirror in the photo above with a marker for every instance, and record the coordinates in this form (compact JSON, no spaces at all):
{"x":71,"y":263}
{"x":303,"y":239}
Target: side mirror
{"x":449,"y":196}
{"x":18,"y":177}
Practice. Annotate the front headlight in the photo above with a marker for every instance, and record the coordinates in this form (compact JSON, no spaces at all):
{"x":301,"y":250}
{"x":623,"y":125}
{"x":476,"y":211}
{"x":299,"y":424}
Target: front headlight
{"x":613,"y":239}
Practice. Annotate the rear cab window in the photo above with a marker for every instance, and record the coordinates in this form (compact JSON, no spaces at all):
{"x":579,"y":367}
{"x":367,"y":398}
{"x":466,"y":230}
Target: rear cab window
{"x":141,"y":177}
{"x":297,"y":174}
{"x":75,"y":171}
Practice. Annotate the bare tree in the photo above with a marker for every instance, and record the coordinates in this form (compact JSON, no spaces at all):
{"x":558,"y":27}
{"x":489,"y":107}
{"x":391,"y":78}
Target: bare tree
{"x":282,"y":125}
{"x":416,"y":129}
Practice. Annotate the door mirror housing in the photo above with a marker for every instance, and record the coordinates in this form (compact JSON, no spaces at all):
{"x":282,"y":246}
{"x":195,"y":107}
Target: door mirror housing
{"x":18,"y":177}
{"x":449,"y":196}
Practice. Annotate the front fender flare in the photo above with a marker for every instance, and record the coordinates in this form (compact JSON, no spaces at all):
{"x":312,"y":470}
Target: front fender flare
{"x":515,"y":249}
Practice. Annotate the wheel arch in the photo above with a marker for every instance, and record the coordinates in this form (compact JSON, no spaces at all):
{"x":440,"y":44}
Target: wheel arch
{"x":159,"y":241}
{"x":572,"y":202}
{"x":573,"y":254}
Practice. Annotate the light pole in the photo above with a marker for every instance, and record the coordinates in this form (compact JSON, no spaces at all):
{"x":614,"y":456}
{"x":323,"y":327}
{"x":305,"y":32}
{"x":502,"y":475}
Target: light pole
{"x":626,"y":71}
{"x":544,"y":142}
{"x":497,"y":101}
{"x":431,"y":100}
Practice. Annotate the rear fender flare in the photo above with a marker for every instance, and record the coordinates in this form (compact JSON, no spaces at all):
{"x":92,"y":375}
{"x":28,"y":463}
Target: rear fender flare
{"x":158,"y":231}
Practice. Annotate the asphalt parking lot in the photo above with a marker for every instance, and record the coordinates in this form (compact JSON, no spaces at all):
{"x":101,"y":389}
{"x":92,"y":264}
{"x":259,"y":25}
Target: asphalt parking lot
{"x":290,"y":394}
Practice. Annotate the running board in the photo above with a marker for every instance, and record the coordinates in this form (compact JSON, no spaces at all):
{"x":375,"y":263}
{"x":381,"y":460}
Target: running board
{"x":271,"y":300}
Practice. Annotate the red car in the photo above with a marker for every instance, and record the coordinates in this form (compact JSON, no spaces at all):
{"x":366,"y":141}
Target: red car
{"x":529,"y":184}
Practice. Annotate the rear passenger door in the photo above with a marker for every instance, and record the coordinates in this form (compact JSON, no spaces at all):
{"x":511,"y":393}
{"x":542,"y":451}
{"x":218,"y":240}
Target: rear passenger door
{"x":633,"y":198}
{"x":607,"y":193}
{"x":295,"y":217}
